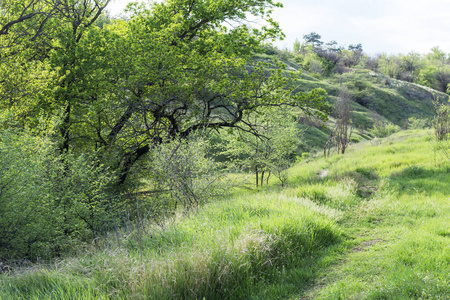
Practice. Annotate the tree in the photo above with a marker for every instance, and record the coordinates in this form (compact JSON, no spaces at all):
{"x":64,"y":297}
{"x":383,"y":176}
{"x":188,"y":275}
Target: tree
{"x":441,"y":122}
{"x":42,"y":43}
{"x":341,"y":134}
{"x":169,"y":71}
{"x":437,"y":56}
{"x":297,"y":46}
{"x":26,"y":18}
{"x":270,"y":152}
{"x":390,"y":65}
{"x":352,"y":56}
{"x":373,"y":63}
{"x":313,"y":39}
{"x":410,"y":66}
{"x":182,"y":71}
{"x":355,"y":48}
{"x":442,"y":77}
{"x":104,"y":97}
{"x":333,"y":46}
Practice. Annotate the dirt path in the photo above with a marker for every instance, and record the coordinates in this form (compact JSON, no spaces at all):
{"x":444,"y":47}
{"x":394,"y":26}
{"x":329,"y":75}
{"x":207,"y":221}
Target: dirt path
{"x":324,"y":173}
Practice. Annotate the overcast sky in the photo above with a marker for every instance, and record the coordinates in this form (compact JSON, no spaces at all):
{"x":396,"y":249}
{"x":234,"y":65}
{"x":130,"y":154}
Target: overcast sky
{"x":381,"y":26}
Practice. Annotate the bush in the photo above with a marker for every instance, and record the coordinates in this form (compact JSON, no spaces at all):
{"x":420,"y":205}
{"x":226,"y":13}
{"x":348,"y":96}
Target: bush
{"x":49,"y":202}
{"x":441,"y":122}
{"x":384,"y":129}
{"x":182,"y":172}
{"x":416,"y":123}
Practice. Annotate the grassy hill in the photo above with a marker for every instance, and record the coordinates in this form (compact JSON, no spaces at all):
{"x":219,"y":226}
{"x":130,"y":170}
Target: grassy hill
{"x":377,"y":100}
{"x":371,"y":224}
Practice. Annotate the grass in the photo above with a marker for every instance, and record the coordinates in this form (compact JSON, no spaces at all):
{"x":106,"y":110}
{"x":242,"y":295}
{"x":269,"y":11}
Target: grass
{"x":401,"y":248}
{"x":371,"y":224}
{"x":226,"y":250}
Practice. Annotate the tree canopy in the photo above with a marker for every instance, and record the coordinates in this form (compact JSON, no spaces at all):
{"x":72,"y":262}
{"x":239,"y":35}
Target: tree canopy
{"x":119,"y":89}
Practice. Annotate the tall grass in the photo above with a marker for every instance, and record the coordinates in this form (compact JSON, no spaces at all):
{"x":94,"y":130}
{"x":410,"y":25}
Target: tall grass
{"x":373,"y":226}
{"x":223,"y":251}
{"x":401,"y":232}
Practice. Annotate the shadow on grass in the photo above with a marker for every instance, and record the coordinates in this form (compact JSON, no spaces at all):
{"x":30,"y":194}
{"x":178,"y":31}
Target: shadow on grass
{"x":295,"y":283}
{"x":417,"y":179}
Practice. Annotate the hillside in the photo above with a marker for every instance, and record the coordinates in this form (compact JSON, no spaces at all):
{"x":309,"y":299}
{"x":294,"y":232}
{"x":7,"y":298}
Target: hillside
{"x":377,"y":99}
{"x":371,"y":224}
{"x":166,"y":155}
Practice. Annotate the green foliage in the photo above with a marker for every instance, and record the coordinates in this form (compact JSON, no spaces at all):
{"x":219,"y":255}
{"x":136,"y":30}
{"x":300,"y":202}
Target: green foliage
{"x":313,"y":39}
{"x":128,"y":97}
{"x":297,"y":46}
{"x":50,"y":203}
{"x":384,"y":129}
{"x":416,"y":123}
{"x":313,"y":64}
{"x":226,"y":250}
{"x":431,"y":70}
{"x":441,"y":122}
{"x":23,"y":218}
{"x":171,"y":70}
{"x":374,"y":100}
{"x":382,"y":209}
{"x":182,"y":172}
{"x":120,"y":90}
{"x":271,"y":151}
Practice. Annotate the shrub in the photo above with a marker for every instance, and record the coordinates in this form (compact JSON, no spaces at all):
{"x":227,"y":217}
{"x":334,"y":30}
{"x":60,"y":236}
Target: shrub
{"x":384,"y":129}
{"x":49,"y":202}
{"x":441,"y":123}
{"x":182,"y":172}
{"x":416,"y":123}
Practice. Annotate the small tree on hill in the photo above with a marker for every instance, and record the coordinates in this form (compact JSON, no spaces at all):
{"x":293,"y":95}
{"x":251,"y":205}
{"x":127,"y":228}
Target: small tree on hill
{"x":340,"y":136}
{"x":442,"y":77}
{"x":313,"y":39}
{"x":270,"y":152}
{"x":441,"y":123}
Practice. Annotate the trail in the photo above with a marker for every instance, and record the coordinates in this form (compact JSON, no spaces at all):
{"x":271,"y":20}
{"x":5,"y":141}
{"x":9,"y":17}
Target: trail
{"x":324,"y":173}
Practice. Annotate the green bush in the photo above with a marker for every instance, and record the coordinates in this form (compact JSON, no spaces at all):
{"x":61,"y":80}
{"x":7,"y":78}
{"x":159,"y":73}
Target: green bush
{"x":384,"y":129}
{"x":49,"y":202}
{"x":181,"y":173}
{"x":416,"y":123}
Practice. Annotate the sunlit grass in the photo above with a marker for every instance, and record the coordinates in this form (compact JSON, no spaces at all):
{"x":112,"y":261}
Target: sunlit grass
{"x":401,"y":233}
{"x":370,"y":224}
{"x":224,"y":250}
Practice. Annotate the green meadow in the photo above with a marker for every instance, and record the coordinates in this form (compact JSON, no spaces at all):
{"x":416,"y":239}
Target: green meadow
{"x":370,"y":224}
{"x":174,"y":152}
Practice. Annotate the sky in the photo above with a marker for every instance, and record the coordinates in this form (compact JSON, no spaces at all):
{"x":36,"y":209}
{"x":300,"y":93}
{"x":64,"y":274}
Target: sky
{"x":381,"y":26}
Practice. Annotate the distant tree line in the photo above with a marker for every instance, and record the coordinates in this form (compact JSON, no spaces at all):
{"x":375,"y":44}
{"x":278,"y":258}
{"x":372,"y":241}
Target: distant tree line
{"x":431,"y":69}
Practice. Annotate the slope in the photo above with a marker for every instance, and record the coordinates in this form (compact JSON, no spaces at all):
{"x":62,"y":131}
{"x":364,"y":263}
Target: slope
{"x":377,"y":100}
{"x":371,"y":224}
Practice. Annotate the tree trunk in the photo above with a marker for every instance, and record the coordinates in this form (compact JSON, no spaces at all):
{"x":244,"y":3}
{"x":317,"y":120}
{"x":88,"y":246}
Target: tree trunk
{"x":130,"y":159}
{"x":65,"y":130}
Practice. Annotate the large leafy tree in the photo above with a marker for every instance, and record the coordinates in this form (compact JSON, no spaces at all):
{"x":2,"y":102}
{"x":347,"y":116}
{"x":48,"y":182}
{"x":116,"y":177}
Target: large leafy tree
{"x":38,"y":42}
{"x":174,"y":68}
{"x":186,"y":70}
